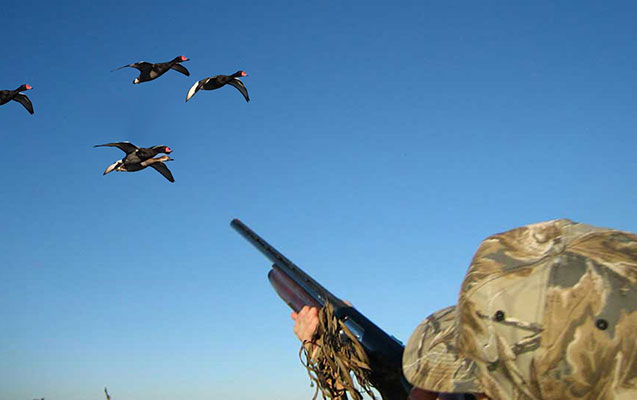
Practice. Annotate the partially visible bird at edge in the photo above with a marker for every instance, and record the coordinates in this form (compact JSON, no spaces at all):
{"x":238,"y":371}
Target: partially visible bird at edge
{"x":149,"y":71}
{"x":15,"y":95}
{"x":217,"y":81}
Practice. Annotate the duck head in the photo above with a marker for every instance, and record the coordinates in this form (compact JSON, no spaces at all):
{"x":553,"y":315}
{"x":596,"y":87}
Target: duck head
{"x":181,"y":59}
{"x":24,"y":87}
{"x":162,"y":149}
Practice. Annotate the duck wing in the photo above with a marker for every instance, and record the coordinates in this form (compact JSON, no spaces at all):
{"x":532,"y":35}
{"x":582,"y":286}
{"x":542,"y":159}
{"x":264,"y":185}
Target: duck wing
{"x":142,"y":65}
{"x":113,"y":167}
{"x":195,"y":88}
{"x":180,"y":68}
{"x":163,"y":169}
{"x":236,"y":82}
{"x":126,"y":147}
{"x":24,"y":100}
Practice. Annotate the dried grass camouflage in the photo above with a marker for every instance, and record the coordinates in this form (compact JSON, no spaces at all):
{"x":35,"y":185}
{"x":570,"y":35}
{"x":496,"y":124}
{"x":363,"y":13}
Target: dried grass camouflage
{"x":339,"y":366}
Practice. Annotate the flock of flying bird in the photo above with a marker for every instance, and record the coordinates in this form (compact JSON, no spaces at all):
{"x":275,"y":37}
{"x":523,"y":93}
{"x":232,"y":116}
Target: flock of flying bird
{"x":138,"y":158}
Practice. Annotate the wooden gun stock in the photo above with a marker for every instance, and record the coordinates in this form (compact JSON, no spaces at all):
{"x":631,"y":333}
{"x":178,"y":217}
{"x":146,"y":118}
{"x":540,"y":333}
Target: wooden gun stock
{"x":291,"y":293}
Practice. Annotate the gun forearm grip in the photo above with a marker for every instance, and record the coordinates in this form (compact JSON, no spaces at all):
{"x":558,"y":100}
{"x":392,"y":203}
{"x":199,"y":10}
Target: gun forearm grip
{"x":291,"y":293}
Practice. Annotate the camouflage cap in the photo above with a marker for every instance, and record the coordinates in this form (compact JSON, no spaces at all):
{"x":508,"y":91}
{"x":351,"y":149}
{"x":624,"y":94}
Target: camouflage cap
{"x":431,"y":361}
{"x":546,"y":311}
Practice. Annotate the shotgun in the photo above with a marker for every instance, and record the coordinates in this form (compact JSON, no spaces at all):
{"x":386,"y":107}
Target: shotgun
{"x":298,"y":289}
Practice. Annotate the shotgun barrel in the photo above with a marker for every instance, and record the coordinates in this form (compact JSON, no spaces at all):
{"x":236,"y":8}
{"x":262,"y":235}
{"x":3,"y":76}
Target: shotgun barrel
{"x":295,"y":273}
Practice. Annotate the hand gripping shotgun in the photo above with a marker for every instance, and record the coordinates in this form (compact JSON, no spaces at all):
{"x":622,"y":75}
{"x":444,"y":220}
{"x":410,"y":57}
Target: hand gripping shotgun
{"x":298,"y":289}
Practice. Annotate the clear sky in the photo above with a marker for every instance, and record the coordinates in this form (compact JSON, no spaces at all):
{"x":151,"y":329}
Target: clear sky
{"x":383,"y":142}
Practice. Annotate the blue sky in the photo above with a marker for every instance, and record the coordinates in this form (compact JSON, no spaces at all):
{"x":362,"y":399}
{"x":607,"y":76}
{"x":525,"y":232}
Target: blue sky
{"x":382,"y":143}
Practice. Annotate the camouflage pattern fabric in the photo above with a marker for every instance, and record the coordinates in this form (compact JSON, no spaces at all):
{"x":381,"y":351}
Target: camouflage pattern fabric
{"x":431,"y":361}
{"x":546,"y":311}
{"x":339,"y":366}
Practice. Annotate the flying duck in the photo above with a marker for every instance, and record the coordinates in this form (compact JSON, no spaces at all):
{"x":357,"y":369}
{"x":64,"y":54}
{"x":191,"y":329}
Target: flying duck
{"x":149,"y":71}
{"x":138,"y":158}
{"x":15,"y":95}
{"x":217,"y":81}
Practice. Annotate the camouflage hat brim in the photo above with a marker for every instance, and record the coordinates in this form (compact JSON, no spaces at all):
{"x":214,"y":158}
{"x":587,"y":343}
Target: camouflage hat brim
{"x":430,"y":360}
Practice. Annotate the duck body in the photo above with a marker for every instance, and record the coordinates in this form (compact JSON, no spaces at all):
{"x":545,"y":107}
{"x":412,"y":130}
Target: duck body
{"x":155,"y":163}
{"x":217,"y":81}
{"x":138,"y":158}
{"x":15,"y":95}
{"x":149,"y":71}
